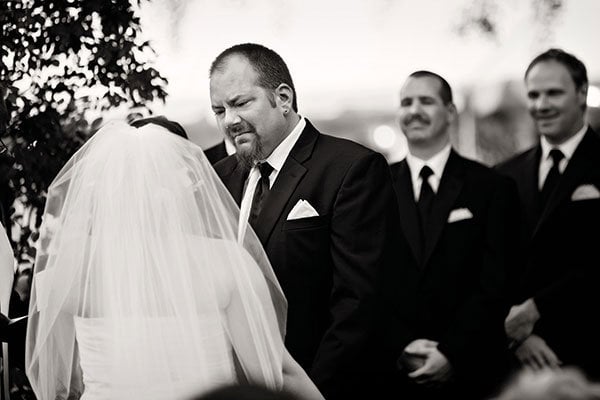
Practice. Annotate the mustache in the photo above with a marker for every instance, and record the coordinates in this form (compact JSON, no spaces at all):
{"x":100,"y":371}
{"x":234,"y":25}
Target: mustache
{"x":238,"y":128}
{"x":544,"y":113}
{"x":416,"y":117}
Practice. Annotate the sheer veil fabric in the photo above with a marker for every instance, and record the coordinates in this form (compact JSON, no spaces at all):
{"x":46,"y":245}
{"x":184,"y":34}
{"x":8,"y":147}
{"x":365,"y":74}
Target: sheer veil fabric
{"x":144,"y":287}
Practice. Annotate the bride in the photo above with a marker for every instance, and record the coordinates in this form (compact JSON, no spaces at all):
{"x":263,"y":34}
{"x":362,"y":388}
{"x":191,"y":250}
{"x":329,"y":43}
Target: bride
{"x":144,"y":285}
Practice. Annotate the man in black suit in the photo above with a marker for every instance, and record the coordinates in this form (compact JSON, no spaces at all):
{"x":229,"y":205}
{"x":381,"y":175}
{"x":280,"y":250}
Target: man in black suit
{"x":460,"y":219}
{"x":216,"y":152}
{"x":321,"y":206}
{"x":553,"y":318}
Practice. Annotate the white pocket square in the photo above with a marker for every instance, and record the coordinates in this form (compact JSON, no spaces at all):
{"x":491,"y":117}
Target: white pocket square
{"x":302,"y":209}
{"x":459,"y":214}
{"x":585,"y":192}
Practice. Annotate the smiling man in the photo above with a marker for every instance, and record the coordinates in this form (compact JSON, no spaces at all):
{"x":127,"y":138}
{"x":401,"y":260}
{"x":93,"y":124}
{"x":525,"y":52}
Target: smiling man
{"x":460,"y":220}
{"x":552,"y":321}
{"x":323,"y":208}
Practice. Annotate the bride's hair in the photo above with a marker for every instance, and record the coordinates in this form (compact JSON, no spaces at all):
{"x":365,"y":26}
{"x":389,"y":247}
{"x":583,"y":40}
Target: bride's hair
{"x":171,"y":126}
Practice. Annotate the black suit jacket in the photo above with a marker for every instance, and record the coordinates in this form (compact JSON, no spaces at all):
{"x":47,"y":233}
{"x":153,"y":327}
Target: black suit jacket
{"x":561,"y":266}
{"x":216,"y":153}
{"x":328,"y":265}
{"x":454,"y":292}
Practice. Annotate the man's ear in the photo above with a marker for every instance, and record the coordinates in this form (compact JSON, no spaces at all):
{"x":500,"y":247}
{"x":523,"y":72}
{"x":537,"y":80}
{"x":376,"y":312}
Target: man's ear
{"x":284,"y":96}
{"x":452,"y":112}
{"x":582,"y":95}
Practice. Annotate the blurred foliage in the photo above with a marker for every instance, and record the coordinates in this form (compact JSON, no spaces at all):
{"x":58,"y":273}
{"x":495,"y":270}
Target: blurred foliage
{"x":62,"y":64}
{"x":483,"y":16}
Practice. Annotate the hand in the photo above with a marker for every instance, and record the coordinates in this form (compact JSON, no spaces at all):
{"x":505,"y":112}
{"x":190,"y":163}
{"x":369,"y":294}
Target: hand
{"x":436,"y":368}
{"x":520,"y":321}
{"x":420,"y":346}
{"x":535,"y":354}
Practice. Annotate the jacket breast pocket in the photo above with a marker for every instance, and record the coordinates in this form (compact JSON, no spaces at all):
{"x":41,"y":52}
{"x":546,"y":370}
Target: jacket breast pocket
{"x":320,"y":221}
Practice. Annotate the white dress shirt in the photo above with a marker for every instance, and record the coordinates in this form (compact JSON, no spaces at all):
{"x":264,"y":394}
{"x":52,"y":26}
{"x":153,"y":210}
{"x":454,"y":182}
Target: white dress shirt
{"x":276,"y":159}
{"x":567,"y":148}
{"x":437,"y":163}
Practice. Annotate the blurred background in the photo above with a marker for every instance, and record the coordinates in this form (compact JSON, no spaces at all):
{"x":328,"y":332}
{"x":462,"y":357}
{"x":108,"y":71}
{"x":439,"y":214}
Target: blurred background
{"x":68,"y":66}
{"x":348,"y":59}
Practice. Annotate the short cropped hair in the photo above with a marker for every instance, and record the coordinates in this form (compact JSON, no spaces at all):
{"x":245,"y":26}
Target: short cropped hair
{"x":575,"y":67}
{"x":445,"y":89}
{"x":270,"y":67}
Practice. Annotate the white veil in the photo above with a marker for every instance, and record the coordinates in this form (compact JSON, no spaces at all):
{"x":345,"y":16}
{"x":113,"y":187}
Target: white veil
{"x":140,"y":239}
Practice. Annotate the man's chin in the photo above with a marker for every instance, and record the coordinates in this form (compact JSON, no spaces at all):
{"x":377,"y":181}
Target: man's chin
{"x":547,"y":130}
{"x":248,"y":155}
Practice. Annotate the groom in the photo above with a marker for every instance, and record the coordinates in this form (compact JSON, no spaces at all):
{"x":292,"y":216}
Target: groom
{"x":321,"y":206}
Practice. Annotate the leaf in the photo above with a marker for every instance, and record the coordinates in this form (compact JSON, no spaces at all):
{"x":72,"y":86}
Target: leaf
{"x":50,"y":117}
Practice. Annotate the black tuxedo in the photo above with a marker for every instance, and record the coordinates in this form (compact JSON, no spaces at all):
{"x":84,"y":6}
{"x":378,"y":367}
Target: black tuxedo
{"x":453,"y":291}
{"x":561,"y":267}
{"x":216,"y":153}
{"x":328,"y":265}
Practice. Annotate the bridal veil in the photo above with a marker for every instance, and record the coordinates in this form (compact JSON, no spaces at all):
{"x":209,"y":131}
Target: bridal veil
{"x":143,"y":281}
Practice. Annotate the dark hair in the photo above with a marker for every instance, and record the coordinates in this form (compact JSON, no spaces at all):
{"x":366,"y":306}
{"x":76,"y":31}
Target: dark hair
{"x":445,"y":90}
{"x":171,"y":126}
{"x":270,"y":67}
{"x":575,"y":67}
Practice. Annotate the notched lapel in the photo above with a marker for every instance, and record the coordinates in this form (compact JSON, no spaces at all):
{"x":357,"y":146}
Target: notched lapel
{"x":287,"y":180}
{"x":285,"y":184}
{"x":445,"y":198}
{"x":409,"y":214}
{"x":234,"y":180}
{"x":580,"y":165}
{"x":530,"y":189}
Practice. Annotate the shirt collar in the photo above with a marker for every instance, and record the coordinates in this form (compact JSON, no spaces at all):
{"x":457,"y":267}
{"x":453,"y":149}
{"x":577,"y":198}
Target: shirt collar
{"x":229,"y":147}
{"x":436,"y":163}
{"x":281,"y":152}
{"x":567,"y":148}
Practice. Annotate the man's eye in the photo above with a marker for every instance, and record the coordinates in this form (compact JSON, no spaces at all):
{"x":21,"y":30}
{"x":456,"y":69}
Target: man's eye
{"x":243,"y":103}
{"x":218,"y":112}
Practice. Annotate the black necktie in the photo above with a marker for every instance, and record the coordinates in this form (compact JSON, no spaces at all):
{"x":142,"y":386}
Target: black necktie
{"x":261,"y":191}
{"x":425,"y":197}
{"x":553,"y":175}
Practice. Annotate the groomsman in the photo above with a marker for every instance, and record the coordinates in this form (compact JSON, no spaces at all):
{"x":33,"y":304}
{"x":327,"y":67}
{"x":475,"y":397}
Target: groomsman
{"x":460,"y":220}
{"x":323,"y":208}
{"x":554,"y":317}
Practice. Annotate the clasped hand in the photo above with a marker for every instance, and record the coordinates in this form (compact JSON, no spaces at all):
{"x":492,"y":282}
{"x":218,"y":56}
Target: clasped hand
{"x":535,"y":354}
{"x":520,"y":321}
{"x":436,"y":368}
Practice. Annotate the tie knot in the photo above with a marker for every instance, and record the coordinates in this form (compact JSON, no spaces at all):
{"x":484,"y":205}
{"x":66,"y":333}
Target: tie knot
{"x":425,"y":173}
{"x":265,"y":169}
{"x":556,"y":155}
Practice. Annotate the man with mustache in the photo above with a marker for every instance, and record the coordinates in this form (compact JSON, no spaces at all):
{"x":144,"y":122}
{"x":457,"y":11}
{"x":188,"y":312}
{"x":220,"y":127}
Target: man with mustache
{"x":552,"y":321}
{"x":460,"y":220}
{"x":323,"y":208}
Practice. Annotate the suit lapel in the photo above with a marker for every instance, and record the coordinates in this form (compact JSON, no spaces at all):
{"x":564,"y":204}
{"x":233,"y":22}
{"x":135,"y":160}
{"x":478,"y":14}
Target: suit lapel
{"x":530,"y":190}
{"x":406,"y":201}
{"x":287,"y":180}
{"x":449,"y":189}
{"x":235,"y":179}
{"x":580,"y":164}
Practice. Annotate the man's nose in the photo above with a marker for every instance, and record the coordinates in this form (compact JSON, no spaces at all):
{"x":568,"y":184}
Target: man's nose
{"x":542,"y":103}
{"x":231,"y":118}
{"x":415,"y":108}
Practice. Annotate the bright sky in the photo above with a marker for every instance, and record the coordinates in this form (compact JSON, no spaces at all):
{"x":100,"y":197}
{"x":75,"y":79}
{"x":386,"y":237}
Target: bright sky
{"x":356,"y":53}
